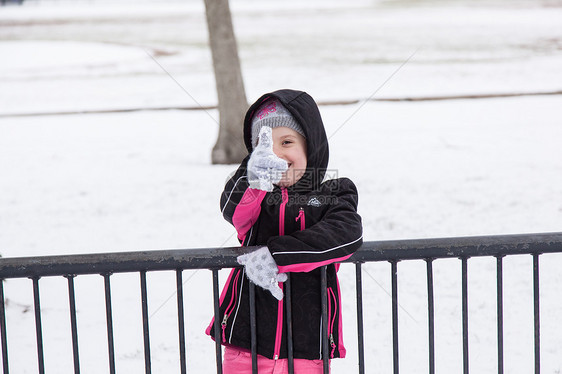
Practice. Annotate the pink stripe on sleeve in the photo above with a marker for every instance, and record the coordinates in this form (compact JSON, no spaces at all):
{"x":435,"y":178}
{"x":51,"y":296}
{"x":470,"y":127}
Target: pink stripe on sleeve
{"x":341,"y":347}
{"x":247,"y":211}
{"x":309,"y":266}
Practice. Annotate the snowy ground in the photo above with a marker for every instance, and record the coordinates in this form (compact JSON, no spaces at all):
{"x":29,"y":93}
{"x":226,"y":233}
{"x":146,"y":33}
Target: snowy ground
{"x":143,"y":180}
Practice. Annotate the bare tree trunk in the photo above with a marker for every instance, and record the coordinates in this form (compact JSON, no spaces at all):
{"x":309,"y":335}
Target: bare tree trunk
{"x":230,"y":148}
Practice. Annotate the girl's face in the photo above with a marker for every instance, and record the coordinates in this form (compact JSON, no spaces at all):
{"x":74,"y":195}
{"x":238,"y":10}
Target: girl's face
{"x":291,"y":147}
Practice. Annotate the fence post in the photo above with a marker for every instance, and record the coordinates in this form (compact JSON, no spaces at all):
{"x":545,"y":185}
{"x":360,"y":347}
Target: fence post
{"x":109,"y":322}
{"x":73,"y":324}
{"x":499,"y":292}
{"x":359,"y":297}
{"x":253,"y":326}
{"x":145,"y":327}
{"x":181,"y":324}
{"x":537,"y":313}
{"x":464,"y":261}
{"x":430,"y":315}
{"x":289,"y":313}
{"x":395,"y":350}
{"x":216,"y":303}
{"x":3,"y":329}
{"x":38,"y":327}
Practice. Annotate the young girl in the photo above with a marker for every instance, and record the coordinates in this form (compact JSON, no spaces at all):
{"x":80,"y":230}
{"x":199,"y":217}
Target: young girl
{"x":277,"y":200}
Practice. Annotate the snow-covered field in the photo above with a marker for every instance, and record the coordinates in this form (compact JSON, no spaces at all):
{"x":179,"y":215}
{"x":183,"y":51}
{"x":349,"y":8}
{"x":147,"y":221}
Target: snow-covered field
{"x":143,"y":180}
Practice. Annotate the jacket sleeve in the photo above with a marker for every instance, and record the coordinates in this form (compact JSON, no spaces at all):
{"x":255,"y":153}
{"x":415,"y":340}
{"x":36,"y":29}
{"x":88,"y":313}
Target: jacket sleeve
{"x":241,"y":205}
{"x":334,"y":238}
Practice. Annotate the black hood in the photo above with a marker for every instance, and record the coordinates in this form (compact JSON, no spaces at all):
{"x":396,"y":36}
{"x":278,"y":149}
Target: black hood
{"x":305,"y":111}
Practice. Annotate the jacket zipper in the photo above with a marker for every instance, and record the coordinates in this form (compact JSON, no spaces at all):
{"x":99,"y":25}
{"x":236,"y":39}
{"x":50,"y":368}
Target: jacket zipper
{"x":284,"y":200}
{"x":279,"y":330}
{"x":332,"y":320}
{"x":230,"y":306}
{"x":301,"y":217}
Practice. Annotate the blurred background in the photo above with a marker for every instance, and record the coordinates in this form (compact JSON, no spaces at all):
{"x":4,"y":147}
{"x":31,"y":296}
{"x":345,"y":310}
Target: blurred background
{"x":87,"y":180}
{"x":95,"y":54}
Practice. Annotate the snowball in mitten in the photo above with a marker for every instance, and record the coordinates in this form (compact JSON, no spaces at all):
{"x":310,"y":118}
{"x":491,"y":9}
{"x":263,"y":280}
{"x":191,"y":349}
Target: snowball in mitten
{"x":262,"y":270}
{"x":264,"y":167}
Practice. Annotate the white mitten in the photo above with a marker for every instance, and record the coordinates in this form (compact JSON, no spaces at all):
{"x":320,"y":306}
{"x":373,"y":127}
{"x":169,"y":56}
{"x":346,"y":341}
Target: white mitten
{"x":264,"y":167}
{"x":262,"y":270}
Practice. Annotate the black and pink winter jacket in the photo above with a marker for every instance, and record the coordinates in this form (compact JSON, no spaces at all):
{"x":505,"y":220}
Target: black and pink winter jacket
{"x":308,"y":225}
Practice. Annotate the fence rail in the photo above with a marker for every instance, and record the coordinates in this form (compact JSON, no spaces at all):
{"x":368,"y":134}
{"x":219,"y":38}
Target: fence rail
{"x":214,"y":259}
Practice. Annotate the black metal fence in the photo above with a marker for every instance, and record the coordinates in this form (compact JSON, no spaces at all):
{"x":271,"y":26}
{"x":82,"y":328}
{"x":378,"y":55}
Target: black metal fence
{"x":428,"y":250}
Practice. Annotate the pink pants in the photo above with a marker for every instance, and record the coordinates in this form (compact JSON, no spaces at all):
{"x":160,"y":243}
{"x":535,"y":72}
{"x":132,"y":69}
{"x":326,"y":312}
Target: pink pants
{"x":240,"y":362}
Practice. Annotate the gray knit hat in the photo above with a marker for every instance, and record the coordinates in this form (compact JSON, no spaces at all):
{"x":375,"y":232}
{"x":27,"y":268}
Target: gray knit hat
{"x":273,"y":114}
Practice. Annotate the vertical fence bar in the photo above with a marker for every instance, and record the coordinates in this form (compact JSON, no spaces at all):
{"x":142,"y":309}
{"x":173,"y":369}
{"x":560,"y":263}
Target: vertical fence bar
{"x":289,"y":314}
{"x":465,"y":361}
{"x":181,"y":323}
{"x":73,"y":324}
{"x":145,"y":327}
{"x":359,"y":297}
{"x":324,"y":301}
{"x":394,"y":276}
{"x":38,"y":327}
{"x":253,"y":327}
{"x":216,"y":324}
{"x":499,"y":292}
{"x":537,"y":313}
{"x":109,"y":323}
{"x":3,"y":330}
{"x":430,"y":315}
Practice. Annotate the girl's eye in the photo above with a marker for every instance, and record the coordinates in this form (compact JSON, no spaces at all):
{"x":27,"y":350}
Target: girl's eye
{"x":285,"y":142}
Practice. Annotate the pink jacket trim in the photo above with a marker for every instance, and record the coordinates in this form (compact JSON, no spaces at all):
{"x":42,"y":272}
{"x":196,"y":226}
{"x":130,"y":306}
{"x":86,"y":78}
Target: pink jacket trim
{"x":306,"y":267}
{"x":223,"y":295}
{"x":341,"y":347}
{"x":247,"y":211}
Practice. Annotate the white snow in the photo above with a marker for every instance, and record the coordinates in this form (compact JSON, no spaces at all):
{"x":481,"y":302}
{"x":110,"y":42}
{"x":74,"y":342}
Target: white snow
{"x":143,"y":180}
